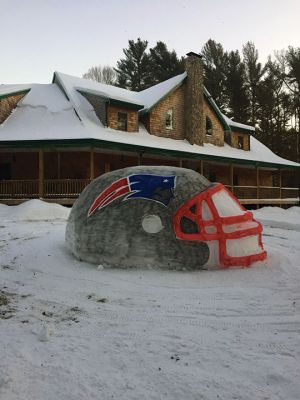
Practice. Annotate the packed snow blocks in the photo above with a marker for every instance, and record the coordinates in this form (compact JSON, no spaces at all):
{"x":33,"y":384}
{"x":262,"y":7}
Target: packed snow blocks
{"x":162,"y":218}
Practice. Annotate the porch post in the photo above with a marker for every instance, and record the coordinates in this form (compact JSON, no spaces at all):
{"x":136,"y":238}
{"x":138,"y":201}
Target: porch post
{"x":180,"y":163}
{"x":201,"y":167}
{"x":280,"y":186}
{"x":92,"y":164}
{"x":41,"y":173}
{"x":257,"y":182}
{"x":58,"y":165}
{"x":231,"y":178}
{"x":140,"y":155}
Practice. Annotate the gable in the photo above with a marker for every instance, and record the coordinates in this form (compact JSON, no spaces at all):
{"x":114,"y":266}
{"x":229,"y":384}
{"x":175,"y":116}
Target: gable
{"x":216,"y":137}
{"x":8,"y":103}
{"x":155,"y":120}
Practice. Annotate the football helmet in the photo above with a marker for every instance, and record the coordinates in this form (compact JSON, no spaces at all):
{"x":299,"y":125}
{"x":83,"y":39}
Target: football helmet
{"x":162,"y":217}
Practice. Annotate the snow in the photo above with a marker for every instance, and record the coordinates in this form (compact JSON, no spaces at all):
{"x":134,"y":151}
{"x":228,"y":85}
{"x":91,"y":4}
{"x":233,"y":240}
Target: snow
{"x":280,"y":218}
{"x":152,"y":95}
{"x":33,"y":210}
{"x":233,"y":124}
{"x":48,"y":97}
{"x":46,"y":114}
{"x":70,"y":330}
{"x":8,"y":89}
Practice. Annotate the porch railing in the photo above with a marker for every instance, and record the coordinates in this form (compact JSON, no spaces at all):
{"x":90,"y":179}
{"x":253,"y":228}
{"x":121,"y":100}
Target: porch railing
{"x":53,"y":188}
{"x":57,"y":188}
{"x":71,"y":188}
{"x":16,"y":189}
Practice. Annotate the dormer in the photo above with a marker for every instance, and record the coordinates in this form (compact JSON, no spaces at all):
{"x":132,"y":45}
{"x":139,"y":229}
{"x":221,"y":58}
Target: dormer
{"x":238,"y":136}
{"x":115,"y":113}
{"x":239,"y":140}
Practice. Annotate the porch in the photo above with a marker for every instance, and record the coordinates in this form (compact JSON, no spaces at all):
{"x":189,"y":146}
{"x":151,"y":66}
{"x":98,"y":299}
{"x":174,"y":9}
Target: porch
{"x":61,"y":175}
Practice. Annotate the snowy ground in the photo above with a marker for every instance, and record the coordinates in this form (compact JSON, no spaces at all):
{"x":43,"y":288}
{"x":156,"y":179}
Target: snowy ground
{"x":69,"y":331}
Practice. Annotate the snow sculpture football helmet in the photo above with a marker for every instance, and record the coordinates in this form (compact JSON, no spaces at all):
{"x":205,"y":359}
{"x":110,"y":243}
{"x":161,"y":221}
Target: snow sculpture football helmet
{"x":162,"y":217}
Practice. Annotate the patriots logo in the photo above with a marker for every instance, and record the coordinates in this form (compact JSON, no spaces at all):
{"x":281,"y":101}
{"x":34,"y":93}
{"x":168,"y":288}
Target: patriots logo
{"x":138,"y":186}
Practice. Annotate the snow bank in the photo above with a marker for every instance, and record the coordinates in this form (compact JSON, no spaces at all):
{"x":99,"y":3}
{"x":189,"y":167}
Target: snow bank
{"x":33,"y":210}
{"x":72,"y":331}
{"x":279,"y":218}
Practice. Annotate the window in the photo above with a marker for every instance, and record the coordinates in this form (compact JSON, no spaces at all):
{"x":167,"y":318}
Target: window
{"x":240,"y":142}
{"x":169,"y":119}
{"x":209,"y":126}
{"x":122,"y":121}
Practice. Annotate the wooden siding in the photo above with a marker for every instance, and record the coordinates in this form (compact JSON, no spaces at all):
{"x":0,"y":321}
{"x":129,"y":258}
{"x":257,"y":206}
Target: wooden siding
{"x":98,"y":105}
{"x":246,"y":139}
{"x":112,"y":118}
{"x":8,"y":104}
{"x":217,"y":137}
{"x":156,"y":121}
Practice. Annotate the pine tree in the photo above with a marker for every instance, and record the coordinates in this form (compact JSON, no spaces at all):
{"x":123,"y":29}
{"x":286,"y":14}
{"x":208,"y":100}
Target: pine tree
{"x":164,"y":63}
{"x":133,"y":70}
{"x":238,"y":103}
{"x":254,"y":74}
{"x":215,"y":64}
{"x":293,"y":82}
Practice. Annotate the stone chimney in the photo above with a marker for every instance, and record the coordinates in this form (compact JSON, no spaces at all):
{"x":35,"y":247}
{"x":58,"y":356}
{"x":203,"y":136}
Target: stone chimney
{"x":194,"y":117}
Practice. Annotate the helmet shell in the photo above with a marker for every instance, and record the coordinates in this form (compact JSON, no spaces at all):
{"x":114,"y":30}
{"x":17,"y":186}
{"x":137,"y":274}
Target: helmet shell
{"x":136,"y":232}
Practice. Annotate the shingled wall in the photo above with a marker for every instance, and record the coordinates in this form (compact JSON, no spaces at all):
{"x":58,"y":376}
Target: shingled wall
{"x":155,"y":122}
{"x":8,"y":104}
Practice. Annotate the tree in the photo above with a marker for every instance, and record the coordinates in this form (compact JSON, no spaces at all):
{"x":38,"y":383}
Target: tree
{"x":101,"y":74}
{"x":215,"y":63}
{"x":134,"y":71}
{"x":293,"y":79}
{"x":254,"y":72}
{"x":164,"y":64}
{"x":238,"y":103}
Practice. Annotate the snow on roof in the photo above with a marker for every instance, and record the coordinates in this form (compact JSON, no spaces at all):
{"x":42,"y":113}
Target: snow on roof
{"x":107,"y":94}
{"x":149,"y":97}
{"x":72,"y":84}
{"x":47,"y":96}
{"x":9,"y":89}
{"x":234,"y":124}
{"x":46,"y":114}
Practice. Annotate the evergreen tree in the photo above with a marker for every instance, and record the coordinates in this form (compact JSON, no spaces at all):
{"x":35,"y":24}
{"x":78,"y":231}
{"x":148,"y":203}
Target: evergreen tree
{"x":254,"y":74}
{"x":215,"y":65}
{"x":164,"y":64}
{"x":293,"y":82}
{"x":133,"y":70}
{"x":238,"y":104}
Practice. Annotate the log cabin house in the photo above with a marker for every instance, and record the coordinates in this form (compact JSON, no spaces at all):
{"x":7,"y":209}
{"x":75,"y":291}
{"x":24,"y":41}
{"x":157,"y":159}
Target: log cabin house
{"x":55,"y":138}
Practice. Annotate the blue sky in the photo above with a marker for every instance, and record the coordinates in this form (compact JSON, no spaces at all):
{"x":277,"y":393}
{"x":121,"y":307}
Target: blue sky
{"x":41,"y":36}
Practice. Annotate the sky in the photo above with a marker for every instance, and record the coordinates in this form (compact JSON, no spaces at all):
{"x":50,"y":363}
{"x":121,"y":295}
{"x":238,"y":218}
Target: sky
{"x":39,"y":37}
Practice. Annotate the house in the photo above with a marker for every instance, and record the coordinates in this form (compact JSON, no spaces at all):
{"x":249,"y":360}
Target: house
{"x":55,"y":138}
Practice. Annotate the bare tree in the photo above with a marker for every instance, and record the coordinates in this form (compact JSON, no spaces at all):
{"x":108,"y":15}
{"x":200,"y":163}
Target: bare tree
{"x":101,"y":74}
{"x":109,"y":75}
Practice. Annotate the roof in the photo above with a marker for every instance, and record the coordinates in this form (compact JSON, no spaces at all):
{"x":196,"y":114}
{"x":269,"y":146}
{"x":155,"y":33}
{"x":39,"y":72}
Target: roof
{"x":10,"y":90}
{"x":153,"y":95}
{"x":237,"y":125}
{"x":58,"y":113}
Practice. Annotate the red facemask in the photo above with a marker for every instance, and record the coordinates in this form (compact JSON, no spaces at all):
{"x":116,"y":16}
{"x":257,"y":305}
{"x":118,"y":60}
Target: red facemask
{"x":217,"y":217}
